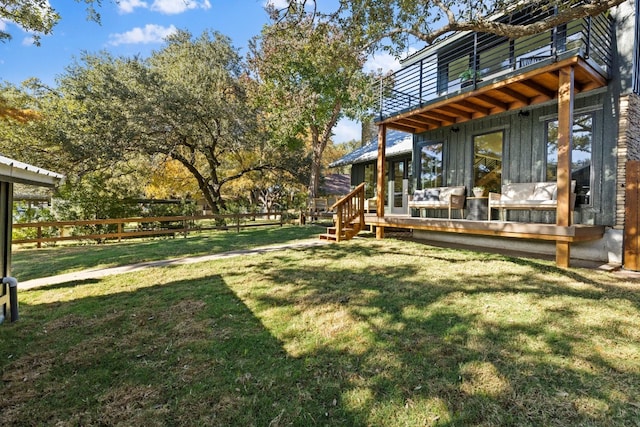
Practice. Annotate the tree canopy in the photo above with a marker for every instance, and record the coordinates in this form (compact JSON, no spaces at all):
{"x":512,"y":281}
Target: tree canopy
{"x":309,"y":76}
{"x":186,"y":102}
{"x":37,"y":16}
{"x":391,"y":24}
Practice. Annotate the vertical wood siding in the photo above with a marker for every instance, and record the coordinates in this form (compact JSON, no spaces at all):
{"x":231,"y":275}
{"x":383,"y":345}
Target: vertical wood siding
{"x":525,"y":153}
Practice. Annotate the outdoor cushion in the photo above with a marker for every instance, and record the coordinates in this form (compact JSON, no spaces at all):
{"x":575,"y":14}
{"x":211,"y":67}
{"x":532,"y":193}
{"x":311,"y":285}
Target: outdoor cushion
{"x":432,"y":195}
{"x":418,"y":196}
{"x":451,"y":191}
{"x":544,"y":191}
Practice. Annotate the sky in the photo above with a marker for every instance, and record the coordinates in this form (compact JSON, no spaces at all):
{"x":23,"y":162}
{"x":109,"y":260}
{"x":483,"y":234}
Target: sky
{"x":137,"y":27}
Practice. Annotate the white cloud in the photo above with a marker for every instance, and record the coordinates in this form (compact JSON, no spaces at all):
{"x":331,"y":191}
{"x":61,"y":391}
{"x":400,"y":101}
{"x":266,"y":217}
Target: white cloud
{"x":128,"y":6}
{"x":278,"y":4}
{"x":173,"y":7}
{"x":149,"y":34}
{"x":28,"y":41}
{"x":347,"y":130}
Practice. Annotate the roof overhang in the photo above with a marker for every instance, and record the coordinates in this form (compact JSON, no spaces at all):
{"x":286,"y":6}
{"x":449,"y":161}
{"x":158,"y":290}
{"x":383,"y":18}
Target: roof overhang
{"x":23,"y":173}
{"x":513,"y":91}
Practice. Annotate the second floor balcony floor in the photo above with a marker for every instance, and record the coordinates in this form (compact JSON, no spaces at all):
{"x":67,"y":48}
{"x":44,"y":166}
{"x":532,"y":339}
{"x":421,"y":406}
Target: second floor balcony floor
{"x":472,"y":75}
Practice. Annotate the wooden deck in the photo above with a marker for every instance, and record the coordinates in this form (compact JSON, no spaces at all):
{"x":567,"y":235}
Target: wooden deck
{"x":519,"y":230}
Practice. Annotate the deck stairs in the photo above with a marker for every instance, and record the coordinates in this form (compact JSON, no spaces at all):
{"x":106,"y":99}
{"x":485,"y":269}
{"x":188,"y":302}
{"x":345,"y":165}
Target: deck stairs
{"x":348,"y":218}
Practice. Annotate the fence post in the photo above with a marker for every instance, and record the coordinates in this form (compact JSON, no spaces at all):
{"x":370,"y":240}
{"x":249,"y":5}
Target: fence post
{"x":119,"y":232}
{"x":238,"y":223}
{"x":281,"y":218}
{"x":39,"y":236}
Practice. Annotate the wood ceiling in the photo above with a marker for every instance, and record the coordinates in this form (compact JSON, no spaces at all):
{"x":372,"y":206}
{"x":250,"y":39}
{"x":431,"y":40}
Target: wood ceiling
{"x":512,"y":93}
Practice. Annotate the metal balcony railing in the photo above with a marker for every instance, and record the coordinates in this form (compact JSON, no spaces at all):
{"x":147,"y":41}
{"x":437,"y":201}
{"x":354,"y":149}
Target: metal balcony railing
{"x":470,"y":59}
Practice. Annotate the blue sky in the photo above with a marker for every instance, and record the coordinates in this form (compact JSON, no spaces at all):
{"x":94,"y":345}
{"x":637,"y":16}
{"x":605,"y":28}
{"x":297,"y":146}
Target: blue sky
{"x":137,"y":27}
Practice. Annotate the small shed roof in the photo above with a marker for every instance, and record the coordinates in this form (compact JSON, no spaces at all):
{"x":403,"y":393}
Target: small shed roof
{"x":397,"y":143}
{"x":23,"y":173}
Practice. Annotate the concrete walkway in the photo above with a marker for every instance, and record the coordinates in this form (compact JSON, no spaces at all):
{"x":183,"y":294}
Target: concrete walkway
{"x":102,"y":272}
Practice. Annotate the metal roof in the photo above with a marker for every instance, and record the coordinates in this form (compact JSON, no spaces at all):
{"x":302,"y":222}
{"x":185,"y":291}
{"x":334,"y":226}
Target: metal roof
{"x":397,"y":143}
{"x":23,"y":173}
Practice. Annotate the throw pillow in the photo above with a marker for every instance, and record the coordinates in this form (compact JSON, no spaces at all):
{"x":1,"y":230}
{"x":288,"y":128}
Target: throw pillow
{"x":432,"y":195}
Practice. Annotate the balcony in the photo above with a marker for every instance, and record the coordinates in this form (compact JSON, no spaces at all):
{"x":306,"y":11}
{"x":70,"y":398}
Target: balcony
{"x":473,"y":75}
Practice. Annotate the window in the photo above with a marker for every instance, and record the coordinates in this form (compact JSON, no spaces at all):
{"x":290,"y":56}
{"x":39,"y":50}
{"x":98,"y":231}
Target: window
{"x":487,"y":161}
{"x":370,"y":176}
{"x":580,"y":155}
{"x":430,"y":174}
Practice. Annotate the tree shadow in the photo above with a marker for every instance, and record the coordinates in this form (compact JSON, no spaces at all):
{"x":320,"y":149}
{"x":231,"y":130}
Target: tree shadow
{"x":317,"y":337}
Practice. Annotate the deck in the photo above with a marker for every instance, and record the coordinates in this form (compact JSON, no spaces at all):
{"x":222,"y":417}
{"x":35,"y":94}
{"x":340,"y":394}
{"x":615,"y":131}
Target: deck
{"x":519,"y":230}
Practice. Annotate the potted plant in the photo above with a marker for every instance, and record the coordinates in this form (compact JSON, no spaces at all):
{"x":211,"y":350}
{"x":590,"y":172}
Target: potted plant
{"x":469,"y":76}
{"x":478,"y":191}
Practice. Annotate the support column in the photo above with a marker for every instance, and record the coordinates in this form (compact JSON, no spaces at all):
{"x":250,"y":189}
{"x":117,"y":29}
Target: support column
{"x":380,"y":193}
{"x":6,"y":214}
{"x":565,"y":130}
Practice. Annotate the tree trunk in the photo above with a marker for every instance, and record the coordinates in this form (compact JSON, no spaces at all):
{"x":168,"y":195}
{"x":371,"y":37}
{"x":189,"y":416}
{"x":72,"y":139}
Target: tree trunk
{"x":316,"y":165}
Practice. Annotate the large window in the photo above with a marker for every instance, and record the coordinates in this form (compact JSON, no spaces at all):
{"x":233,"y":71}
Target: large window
{"x":370,"y":178}
{"x":487,"y":161}
{"x":430,"y":173}
{"x":580,"y":155}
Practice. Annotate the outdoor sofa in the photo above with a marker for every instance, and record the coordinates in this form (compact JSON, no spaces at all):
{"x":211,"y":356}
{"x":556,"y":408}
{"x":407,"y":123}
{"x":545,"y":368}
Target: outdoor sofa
{"x":448,"y":198}
{"x":527,"y":196}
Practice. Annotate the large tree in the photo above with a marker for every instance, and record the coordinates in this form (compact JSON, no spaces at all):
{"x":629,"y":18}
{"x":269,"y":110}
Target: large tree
{"x":391,"y":24}
{"x":186,"y":102}
{"x":310,"y":76}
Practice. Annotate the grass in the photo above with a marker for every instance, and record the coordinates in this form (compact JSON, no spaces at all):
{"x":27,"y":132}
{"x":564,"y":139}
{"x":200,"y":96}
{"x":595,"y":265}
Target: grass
{"x":384,"y":333}
{"x":67,"y":259}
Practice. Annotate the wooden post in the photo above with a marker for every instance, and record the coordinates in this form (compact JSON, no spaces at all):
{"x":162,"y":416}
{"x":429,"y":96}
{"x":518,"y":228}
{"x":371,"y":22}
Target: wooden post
{"x":632,"y":216}
{"x":565,"y":129}
{"x":119,"y":232}
{"x":39,"y":237}
{"x":382,"y":146}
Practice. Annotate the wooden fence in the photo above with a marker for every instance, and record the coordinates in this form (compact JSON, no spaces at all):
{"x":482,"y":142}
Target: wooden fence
{"x":56,"y":231}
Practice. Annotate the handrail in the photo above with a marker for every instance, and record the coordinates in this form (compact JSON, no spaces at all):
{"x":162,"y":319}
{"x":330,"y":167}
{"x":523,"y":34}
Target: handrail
{"x":449,"y":67}
{"x":348,"y":209}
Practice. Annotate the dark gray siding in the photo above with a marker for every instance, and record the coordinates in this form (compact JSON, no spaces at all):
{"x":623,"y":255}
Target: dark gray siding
{"x":525,"y":151}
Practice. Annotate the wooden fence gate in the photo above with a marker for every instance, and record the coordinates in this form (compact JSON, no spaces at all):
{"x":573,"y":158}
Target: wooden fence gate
{"x":632,"y":217}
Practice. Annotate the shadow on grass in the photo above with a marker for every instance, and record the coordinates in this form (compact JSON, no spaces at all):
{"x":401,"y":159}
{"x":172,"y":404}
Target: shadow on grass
{"x":371,"y":334}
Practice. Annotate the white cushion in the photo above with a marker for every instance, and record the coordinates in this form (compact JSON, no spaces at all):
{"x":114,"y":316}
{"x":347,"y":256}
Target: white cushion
{"x":544,"y":191}
{"x":518,"y":191}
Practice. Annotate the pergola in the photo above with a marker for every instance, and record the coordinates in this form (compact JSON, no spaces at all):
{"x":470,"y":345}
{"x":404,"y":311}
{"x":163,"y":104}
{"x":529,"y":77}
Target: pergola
{"x":12,"y":172}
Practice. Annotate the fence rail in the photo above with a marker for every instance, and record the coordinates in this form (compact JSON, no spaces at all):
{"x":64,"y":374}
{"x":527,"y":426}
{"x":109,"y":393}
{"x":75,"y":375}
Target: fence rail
{"x":57,"y":231}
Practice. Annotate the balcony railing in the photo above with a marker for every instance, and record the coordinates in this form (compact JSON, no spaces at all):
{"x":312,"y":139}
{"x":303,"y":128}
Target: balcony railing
{"x":463,"y":62}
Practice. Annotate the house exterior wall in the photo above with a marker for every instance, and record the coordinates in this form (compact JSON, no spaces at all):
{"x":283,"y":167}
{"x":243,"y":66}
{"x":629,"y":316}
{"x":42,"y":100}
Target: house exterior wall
{"x":525,"y":153}
{"x":628,"y":149}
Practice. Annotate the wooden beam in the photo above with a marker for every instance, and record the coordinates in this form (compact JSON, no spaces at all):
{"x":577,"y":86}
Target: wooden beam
{"x":403,"y":128}
{"x":418,"y":120}
{"x":547,"y":93}
{"x":456,"y":112}
{"x":473,"y":107}
{"x":565,"y":130}
{"x":519,"y":97}
{"x":492,"y":101}
{"x":380,"y":193}
{"x":446,"y":120}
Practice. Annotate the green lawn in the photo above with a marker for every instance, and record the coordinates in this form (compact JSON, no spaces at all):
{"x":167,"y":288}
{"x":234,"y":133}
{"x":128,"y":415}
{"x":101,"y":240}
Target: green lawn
{"x":381,"y":333}
{"x":34,"y":263}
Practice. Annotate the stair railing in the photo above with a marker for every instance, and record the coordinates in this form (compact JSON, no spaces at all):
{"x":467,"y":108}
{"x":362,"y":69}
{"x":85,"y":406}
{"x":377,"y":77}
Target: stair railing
{"x":348,"y":209}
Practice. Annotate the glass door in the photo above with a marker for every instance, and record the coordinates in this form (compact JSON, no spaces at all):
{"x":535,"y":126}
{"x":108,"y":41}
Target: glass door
{"x":487,"y":161}
{"x":398,"y":186}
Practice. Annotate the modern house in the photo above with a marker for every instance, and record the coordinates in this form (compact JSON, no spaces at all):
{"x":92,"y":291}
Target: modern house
{"x":12,"y":172}
{"x":559,"y":107}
